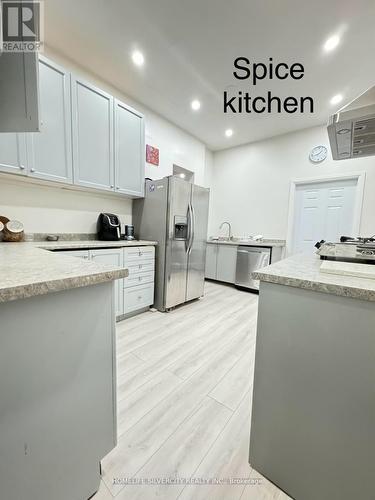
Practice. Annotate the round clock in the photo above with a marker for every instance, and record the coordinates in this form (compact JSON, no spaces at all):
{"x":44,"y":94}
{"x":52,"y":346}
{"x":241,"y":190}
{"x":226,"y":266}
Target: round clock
{"x":318,"y":154}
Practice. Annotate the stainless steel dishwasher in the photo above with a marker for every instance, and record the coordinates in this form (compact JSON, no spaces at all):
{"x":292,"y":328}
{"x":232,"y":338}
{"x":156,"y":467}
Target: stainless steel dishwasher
{"x":250,"y":259}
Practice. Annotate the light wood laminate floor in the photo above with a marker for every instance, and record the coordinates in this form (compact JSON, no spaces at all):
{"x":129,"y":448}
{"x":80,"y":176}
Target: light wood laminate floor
{"x":184,"y":402}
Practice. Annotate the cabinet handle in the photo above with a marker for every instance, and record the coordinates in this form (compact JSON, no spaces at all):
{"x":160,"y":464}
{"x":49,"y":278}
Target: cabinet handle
{"x":22,"y":167}
{"x":32,"y":169}
{"x":112,"y":186}
{"x":117,"y":187}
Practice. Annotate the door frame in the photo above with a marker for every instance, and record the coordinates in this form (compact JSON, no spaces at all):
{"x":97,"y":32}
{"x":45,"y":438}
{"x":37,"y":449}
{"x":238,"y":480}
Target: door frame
{"x":294,"y":183}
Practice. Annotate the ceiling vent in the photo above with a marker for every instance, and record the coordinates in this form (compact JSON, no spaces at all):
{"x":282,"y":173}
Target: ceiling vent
{"x":351,"y":131}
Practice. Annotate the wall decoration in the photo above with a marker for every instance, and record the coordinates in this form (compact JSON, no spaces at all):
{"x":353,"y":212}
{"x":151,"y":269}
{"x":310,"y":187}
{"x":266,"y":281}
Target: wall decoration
{"x":152,"y":155}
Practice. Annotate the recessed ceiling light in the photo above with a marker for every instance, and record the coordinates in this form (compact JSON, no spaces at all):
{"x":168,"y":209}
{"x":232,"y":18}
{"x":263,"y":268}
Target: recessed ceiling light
{"x":229,"y":132}
{"x":336,"y":99}
{"x":331,"y":43}
{"x":138,"y":58}
{"x":195,"y":105}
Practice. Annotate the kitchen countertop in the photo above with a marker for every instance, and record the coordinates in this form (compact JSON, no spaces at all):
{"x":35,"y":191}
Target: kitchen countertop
{"x":303,"y":271}
{"x":251,"y":243}
{"x":87,"y":244}
{"x":28,"y":268}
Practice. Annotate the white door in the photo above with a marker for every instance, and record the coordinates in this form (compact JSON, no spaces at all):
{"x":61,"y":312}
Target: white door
{"x":323,"y":211}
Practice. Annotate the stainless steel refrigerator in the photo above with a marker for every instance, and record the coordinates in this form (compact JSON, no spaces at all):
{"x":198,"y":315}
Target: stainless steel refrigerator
{"x":174,"y":213}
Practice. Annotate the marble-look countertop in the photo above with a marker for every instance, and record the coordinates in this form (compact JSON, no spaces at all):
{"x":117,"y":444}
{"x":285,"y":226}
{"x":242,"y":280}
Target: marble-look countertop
{"x":87,"y":244}
{"x":303,"y":271}
{"x":28,"y":268}
{"x":251,"y":243}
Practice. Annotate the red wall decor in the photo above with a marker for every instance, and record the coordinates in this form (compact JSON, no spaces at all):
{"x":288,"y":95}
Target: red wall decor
{"x":152,"y":155}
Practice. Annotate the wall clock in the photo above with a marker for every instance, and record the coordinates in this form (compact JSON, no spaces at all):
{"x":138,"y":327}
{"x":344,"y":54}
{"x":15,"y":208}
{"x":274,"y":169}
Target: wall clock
{"x":318,"y":154}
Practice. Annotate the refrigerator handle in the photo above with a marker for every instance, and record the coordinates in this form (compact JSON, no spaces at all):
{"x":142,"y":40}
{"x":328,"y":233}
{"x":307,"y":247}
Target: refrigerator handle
{"x":190,"y":229}
{"x":193,"y":227}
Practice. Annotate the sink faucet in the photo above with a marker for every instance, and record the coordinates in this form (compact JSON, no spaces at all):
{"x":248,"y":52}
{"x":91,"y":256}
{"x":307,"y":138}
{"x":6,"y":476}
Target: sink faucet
{"x":229,"y":229}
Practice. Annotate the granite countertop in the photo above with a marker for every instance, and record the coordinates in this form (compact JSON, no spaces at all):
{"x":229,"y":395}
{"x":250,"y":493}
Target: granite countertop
{"x":28,"y":269}
{"x":251,"y":243}
{"x":303,"y":271}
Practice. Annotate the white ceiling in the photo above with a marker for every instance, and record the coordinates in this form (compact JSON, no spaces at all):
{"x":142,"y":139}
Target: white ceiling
{"x":190,"y":45}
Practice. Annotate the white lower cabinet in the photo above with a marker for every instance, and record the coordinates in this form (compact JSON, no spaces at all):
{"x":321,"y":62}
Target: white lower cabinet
{"x":139,"y":285}
{"x":226,"y":263}
{"x":82,"y":254}
{"x":211,"y":261}
{"x":113,"y":257}
{"x":138,"y":297}
{"x":135,"y":292}
{"x":221,"y":261}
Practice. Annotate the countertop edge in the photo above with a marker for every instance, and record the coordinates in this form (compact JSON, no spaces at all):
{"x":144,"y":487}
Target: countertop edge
{"x":283,"y":273}
{"x":264,"y":243}
{"x":51,"y":286}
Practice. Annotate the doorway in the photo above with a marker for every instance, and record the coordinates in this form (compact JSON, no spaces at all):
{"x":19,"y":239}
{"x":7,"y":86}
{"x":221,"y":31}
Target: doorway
{"x":324,"y":209}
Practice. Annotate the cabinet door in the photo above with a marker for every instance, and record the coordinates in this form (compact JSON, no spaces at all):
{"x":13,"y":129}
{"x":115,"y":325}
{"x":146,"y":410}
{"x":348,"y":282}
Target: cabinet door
{"x":19,"y":107}
{"x":13,"y":153}
{"x":129,"y":150}
{"x":50,"y":150}
{"x":92,"y":118}
{"x":81,"y":254}
{"x":226,"y":263}
{"x":114,"y":257}
{"x":211,"y":261}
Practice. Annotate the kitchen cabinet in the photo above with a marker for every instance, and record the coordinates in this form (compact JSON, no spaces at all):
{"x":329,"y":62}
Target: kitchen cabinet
{"x":211,"y":260}
{"x":13,"y":153}
{"x":50,"y":150}
{"x":86,"y":138}
{"x":92,"y":122}
{"x":136,"y":292}
{"x":81,"y":254}
{"x":129,"y":150}
{"x":19,"y":106}
{"x":221,"y":261}
{"x":139,"y":285}
{"x":114,"y":257}
{"x":226,"y":263}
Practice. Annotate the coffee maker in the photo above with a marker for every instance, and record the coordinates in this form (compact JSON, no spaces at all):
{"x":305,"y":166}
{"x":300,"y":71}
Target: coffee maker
{"x":108,"y":227}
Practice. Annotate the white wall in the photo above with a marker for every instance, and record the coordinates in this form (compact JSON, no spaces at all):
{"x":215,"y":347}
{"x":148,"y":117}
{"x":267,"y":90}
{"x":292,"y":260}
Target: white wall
{"x":53,"y":209}
{"x":251,"y":183}
{"x":45,"y":209}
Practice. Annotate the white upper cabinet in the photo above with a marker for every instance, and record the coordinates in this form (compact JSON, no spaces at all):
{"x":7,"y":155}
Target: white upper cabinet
{"x":87,"y":138}
{"x":129,"y":150}
{"x":19,"y":109}
{"x":92,"y":118}
{"x":50,"y":150}
{"x":13,"y":158}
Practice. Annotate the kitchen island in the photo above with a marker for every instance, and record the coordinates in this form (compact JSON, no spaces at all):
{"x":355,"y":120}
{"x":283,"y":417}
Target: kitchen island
{"x":312,"y":430}
{"x":57,"y":372}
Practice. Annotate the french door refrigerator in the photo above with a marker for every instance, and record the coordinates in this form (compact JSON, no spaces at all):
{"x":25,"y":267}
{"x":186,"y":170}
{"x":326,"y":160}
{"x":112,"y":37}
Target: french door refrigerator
{"x":174,"y":213}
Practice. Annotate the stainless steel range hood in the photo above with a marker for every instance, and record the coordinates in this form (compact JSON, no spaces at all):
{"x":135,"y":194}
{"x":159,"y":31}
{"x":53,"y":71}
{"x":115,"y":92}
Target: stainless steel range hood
{"x":351,"y":130}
